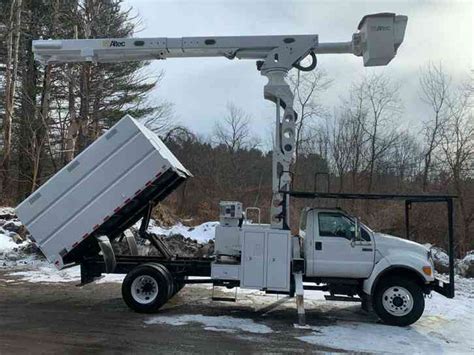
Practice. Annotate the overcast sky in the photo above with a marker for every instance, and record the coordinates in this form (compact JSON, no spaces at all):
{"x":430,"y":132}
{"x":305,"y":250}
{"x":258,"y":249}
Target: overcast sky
{"x":437,"y":31}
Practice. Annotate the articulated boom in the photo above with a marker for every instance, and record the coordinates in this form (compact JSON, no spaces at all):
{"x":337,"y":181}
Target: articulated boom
{"x":377,"y":41}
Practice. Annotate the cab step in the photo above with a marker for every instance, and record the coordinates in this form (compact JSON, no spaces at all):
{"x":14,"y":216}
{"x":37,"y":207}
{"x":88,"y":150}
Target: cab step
{"x":342,"y":298}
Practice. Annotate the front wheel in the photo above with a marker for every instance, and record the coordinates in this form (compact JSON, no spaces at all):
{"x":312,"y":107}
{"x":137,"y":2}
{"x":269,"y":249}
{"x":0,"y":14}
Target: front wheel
{"x":399,"y":301}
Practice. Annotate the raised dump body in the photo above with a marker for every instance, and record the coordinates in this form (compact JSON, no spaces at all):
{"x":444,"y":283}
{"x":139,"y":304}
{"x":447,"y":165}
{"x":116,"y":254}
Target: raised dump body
{"x":103,"y":191}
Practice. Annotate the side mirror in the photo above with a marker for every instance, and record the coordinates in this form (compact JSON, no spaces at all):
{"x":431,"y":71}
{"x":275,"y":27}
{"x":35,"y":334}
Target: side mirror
{"x":357,"y":229}
{"x":356,"y":234}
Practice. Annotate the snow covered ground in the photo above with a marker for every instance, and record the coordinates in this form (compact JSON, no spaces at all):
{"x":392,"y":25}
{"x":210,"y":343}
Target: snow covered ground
{"x":6,"y":243}
{"x":224,"y":324}
{"x":41,"y":271}
{"x":446,"y":326}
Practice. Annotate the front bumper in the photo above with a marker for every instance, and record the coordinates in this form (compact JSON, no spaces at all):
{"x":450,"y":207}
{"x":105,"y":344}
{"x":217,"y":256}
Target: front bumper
{"x":444,"y":288}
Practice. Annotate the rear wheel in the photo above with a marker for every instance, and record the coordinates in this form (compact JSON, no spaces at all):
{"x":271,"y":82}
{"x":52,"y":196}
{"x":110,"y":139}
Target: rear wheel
{"x":147,"y":287}
{"x":399,"y":301}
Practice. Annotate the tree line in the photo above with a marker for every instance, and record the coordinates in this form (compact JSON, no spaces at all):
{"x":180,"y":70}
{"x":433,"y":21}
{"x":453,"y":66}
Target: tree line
{"x":357,"y":146}
{"x":49,"y":114}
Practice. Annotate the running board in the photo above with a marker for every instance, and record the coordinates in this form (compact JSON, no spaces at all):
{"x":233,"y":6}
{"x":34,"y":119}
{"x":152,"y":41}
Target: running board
{"x":342,"y":298}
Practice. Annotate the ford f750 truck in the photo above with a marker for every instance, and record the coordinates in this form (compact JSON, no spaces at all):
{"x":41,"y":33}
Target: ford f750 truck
{"x":116,"y":181}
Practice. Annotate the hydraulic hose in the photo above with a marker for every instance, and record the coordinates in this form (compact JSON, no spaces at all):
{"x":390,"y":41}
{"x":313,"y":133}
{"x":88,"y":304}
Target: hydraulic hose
{"x":309,"y":67}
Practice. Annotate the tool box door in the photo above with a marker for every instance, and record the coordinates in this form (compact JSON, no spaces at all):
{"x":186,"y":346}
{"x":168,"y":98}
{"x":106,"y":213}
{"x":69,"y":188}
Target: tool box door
{"x":253,"y":258}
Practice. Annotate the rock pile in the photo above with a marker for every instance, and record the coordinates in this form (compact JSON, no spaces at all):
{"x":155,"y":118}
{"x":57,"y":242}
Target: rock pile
{"x":463,"y":267}
{"x":176,"y":243}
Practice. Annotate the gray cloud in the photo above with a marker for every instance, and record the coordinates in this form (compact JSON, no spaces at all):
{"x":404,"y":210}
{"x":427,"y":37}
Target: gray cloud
{"x":438,"y":31}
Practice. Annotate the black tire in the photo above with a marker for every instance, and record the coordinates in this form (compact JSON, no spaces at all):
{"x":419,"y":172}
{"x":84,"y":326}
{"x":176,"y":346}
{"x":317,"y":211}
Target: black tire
{"x":396,"y":288}
{"x":169,"y":277}
{"x":180,"y":283}
{"x":161,"y":287}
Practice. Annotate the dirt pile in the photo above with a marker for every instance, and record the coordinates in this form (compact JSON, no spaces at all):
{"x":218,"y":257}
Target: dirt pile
{"x":178,"y":244}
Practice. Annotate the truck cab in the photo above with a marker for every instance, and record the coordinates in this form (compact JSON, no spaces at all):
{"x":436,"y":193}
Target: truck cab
{"x":332,"y":246}
{"x":389,"y":273}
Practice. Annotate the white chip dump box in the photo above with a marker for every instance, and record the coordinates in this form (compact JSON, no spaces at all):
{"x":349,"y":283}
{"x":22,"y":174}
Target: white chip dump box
{"x":103,"y":191}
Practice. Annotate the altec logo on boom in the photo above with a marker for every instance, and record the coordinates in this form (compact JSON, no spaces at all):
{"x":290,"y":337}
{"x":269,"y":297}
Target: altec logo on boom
{"x":380,"y":28}
{"x":113,"y":44}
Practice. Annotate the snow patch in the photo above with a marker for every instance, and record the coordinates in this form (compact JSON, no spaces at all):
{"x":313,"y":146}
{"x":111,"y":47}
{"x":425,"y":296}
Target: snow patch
{"x":213,"y":323}
{"x":374,"y":338}
{"x":6,"y":243}
{"x":46,"y":273}
{"x":445,"y":327}
{"x":201,"y":233}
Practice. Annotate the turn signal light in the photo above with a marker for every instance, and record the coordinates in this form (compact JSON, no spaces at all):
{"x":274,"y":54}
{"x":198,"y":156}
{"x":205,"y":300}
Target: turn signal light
{"x":427,"y":270}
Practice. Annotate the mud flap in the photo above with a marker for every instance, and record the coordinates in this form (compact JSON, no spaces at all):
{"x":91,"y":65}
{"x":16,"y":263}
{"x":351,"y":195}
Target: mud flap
{"x":131,"y":242}
{"x":107,"y":253}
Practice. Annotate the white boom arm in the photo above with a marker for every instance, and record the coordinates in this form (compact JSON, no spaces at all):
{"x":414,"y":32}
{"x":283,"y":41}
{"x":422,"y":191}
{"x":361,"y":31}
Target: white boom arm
{"x":377,"y":41}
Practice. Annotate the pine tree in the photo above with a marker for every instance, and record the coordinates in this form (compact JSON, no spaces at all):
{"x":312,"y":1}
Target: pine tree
{"x":60,"y":109}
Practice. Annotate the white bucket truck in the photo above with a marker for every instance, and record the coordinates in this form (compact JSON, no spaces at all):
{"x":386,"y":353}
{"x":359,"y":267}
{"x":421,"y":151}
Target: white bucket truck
{"x":120,"y":177}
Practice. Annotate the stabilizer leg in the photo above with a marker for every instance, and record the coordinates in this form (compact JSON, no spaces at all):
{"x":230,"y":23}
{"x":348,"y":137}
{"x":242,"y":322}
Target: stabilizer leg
{"x":300,"y":298}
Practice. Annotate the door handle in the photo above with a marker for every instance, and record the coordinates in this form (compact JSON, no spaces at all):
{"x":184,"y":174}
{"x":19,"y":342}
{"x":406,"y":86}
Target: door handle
{"x":318,"y":246}
{"x":367,"y":249}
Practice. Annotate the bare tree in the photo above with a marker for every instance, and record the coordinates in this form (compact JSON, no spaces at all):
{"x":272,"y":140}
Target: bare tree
{"x":380,"y":97}
{"x":11,"y":73}
{"x":307,"y":88}
{"x":162,"y":120}
{"x":234,"y":130}
{"x":354,"y":117}
{"x":435,"y":85}
{"x":340,"y":143}
{"x":458,"y":148}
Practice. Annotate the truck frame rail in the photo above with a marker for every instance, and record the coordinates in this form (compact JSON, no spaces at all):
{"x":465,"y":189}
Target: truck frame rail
{"x":94,"y":266}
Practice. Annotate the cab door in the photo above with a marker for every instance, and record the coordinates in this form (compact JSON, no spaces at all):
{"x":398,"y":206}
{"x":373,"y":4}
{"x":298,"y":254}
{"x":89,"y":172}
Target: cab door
{"x":336,"y":253}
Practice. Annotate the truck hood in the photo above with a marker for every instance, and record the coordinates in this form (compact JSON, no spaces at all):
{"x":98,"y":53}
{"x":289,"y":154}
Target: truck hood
{"x":386,"y":243}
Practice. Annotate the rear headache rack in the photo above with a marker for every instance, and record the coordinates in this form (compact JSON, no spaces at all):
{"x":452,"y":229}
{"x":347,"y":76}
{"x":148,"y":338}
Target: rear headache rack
{"x":446,"y":289}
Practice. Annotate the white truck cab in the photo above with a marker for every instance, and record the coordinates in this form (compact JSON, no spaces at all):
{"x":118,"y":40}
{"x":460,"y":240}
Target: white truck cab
{"x":389,"y":272}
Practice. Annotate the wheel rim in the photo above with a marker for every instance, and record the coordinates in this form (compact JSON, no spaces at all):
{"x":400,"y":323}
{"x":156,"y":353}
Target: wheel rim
{"x":144,"y":289}
{"x":397,"y":301}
